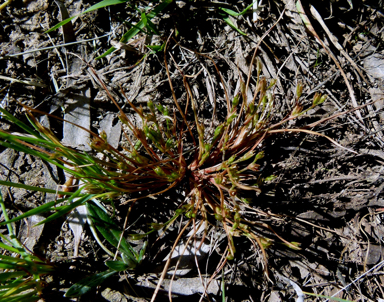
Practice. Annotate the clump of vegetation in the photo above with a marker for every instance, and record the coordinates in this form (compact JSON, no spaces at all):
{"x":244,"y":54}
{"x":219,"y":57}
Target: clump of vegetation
{"x":218,"y":171}
{"x":20,"y":279}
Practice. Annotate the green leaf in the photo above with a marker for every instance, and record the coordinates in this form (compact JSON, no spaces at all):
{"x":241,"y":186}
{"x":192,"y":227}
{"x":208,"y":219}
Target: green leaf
{"x":144,"y":18}
{"x":233,"y":13}
{"x":67,"y":208}
{"x":139,"y":26}
{"x":29,"y":297}
{"x":104,"y":3}
{"x":157,"y":48}
{"x":230,"y":23}
{"x":110,"y":231}
{"x":118,"y":266}
{"x":32,"y":188}
{"x":58,"y":25}
{"x":11,"y":275}
{"x":128,"y":261}
{"x":148,"y":24}
{"x":13,"y":141}
{"x":85,"y":285}
{"x":19,"y":123}
{"x":8,"y":248}
{"x":142,"y":251}
{"x":270,"y":178}
{"x":138,"y":236}
{"x":36,"y":211}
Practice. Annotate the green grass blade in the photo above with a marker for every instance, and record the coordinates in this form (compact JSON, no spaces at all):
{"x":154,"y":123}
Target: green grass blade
{"x":11,"y":275}
{"x":101,"y":4}
{"x":38,"y":140}
{"x":104,"y":3}
{"x":16,"y":297}
{"x":142,"y":251}
{"x":156,"y":48}
{"x":10,"y":259}
{"x":148,"y":24}
{"x":152,"y":27}
{"x":32,"y":188}
{"x":19,"y":123}
{"x":11,"y":266}
{"x":32,"y":297}
{"x":87,"y":284}
{"x":13,"y":284}
{"x":108,"y":228}
{"x":118,"y":266}
{"x":233,"y":13}
{"x":21,"y":148}
{"x":58,"y":25}
{"x":66,"y":209}
{"x":230,"y":23}
{"x":8,"y":248}
{"x":13,"y":141}
{"x":36,"y":211}
{"x":144,"y":18}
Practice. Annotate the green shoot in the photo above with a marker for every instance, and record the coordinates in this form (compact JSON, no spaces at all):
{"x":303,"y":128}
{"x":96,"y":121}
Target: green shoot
{"x":20,"y":277}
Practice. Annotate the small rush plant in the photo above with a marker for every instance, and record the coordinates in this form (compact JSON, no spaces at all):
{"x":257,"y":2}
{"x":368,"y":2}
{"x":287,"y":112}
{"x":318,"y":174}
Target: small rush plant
{"x":217,"y":167}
